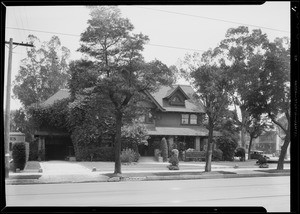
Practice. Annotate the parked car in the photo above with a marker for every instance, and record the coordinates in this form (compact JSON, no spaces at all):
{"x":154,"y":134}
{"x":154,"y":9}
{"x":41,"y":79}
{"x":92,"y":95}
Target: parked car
{"x":256,"y":154}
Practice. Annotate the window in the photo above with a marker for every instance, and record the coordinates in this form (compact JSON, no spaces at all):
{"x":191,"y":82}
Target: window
{"x":185,"y":119}
{"x":177,"y":101}
{"x":193,"y":119}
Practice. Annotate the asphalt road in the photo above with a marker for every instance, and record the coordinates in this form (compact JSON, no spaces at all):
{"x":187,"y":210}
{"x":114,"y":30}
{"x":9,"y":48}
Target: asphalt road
{"x":273,"y":193}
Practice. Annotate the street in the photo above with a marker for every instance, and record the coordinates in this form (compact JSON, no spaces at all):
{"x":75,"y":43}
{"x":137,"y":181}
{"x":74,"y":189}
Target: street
{"x":273,"y":193}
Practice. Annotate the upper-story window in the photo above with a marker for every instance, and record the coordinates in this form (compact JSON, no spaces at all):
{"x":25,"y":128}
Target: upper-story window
{"x":193,"y":119}
{"x":185,"y":119}
{"x":189,"y":119}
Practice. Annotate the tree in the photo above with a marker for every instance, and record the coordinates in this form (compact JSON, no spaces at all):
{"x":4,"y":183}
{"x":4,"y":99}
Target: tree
{"x":256,"y":126}
{"x":273,"y":92}
{"x":123,"y":76}
{"x":43,"y":72}
{"x":211,"y":84}
{"x":243,"y":51}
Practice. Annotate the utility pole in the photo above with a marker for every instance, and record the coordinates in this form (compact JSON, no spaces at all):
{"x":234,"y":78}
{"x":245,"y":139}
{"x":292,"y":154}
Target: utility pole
{"x":7,"y":106}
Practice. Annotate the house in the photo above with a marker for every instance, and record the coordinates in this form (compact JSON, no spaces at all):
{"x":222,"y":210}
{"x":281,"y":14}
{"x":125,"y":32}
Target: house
{"x":171,"y":114}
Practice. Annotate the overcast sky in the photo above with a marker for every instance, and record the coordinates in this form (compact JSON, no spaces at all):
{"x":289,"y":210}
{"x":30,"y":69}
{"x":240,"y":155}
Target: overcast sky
{"x":174,"y":31}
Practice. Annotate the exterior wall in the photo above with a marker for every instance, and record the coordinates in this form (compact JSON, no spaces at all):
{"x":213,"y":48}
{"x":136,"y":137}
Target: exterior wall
{"x":168,"y":119}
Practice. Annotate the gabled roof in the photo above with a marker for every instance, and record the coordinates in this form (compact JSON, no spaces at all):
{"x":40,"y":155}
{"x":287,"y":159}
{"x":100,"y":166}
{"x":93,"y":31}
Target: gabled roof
{"x":156,"y":97}
{"x":172,"y":91}
{"x":168,"y":91}
{"x":61,"y":94}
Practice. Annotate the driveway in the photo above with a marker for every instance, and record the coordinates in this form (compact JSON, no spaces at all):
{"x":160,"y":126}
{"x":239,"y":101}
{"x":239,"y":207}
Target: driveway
{"x":63,"y":167}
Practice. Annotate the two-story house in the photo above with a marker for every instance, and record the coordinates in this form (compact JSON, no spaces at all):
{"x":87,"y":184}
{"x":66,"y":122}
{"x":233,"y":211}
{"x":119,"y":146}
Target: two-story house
{"x":171,"y":114}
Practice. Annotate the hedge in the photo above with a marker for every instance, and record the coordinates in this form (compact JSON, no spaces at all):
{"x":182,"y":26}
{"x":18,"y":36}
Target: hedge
{"x":19,"y":155}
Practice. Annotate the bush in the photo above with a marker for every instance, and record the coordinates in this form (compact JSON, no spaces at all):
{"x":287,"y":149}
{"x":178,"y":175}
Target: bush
{"x":240,"y":152}
{"x":261,"y":160}
{"x":95,"y":153}
{"x":217,"y":155}
{"x":33,"y":150}
{"x":19,"y":155}
{"x":157,"y":154}
{"x":174,"y":160}
{"x":128,"y":156}
{"x":164,"y":149}
{"x":227,"y":146}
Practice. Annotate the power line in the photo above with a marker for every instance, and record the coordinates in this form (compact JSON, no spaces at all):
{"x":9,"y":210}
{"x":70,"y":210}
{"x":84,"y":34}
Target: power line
{"x":66,"y":34}
{"x":221,"y":20}
{"x":158,"y":45}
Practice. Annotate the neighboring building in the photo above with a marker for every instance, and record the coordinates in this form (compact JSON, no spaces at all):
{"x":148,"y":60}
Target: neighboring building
{"x":269,"y":142}
{"x":171,"y":114}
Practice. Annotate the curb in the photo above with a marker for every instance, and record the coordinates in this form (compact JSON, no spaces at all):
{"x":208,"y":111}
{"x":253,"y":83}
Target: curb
{"x":146,"y":178}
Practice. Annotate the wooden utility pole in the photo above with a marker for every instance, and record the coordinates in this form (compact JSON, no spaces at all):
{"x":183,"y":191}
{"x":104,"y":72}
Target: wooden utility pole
{"x":7,"y":105}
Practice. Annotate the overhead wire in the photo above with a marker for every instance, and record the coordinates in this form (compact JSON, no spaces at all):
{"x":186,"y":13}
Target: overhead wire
{"x":204,"y":17}
{"x":158,"y":45}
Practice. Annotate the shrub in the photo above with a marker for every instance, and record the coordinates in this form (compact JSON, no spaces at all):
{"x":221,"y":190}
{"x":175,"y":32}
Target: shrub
{"x":227,"y":146}
{"x":95,"y":153}
{"x":128,"y":156}
{"x":33,"y":150}
{"x":240,"y":152}
{"x":19,"y":155}
{"x":157,"y":154}
{"x":261,"y":160}
{"x":174,"y":160}
{"x":164,"y":149}
{"x":217,"y":155}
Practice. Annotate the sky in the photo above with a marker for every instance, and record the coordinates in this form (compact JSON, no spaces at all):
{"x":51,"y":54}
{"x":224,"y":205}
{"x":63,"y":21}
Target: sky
{"x":173,"y":31}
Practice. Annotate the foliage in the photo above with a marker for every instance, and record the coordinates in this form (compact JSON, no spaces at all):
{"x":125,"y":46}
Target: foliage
{"x":123,"y":76}
{"x":133,"y":134}
{"x":43,"y":72}
{"x":227,"y":146}
{"x":212,"y":85}
{"x":19,"y":155}
{"x":261,"y":160}
{"x":240,"y":152}
{"x":129,"y":155}
{"x":174,"y":160}
{"x":19,"y":122}
{"x":164,"y":149}
{"x":33,"y":150}
{"x":50,"y":117}
{"x":217,"y":155}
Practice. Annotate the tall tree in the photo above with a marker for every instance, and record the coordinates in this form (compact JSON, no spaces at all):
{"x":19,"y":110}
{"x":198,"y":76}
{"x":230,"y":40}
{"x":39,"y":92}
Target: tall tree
{"x":243,"y":51}
{"x":273,"y":92}
{"x":211,"y":84}
{"x":123,"y":75}
{"x":43,"y":72}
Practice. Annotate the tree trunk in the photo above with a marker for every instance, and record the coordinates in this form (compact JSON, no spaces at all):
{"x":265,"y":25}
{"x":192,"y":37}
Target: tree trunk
{"x":243,"y":134}
{"x":249,"y":148}
{"x":118,"y":142}
{"x":283,"y":151}
{"x":209,"y":147}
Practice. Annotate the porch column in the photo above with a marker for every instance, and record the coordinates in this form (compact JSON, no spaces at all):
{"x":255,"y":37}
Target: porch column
{"x":197,"y":143}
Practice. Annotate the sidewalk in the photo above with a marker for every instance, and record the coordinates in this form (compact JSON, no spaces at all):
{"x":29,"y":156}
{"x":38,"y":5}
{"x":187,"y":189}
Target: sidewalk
{"x":77,"y":172}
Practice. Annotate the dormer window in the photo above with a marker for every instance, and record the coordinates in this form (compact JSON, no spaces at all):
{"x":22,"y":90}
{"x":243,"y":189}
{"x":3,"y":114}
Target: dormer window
{"x":176,"y":100}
